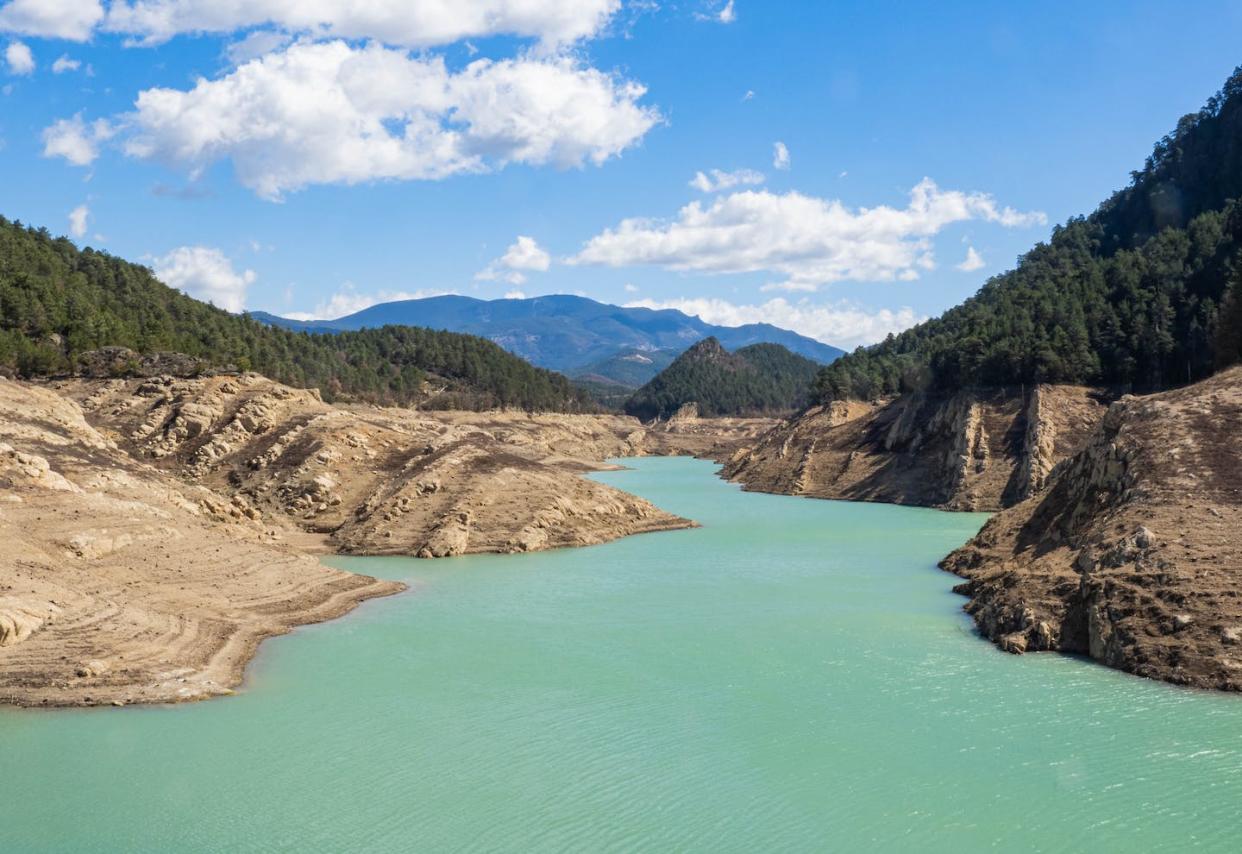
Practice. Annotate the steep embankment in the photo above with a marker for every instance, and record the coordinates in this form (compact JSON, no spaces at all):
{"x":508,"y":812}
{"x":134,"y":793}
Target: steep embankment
{"x":966,"y":451}
{"x":121,"y":584}
{"x":374,"y":481}
{"x":1132,"y":554}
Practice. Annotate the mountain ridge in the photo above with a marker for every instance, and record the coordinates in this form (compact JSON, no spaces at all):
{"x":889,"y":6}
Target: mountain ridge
{"x":759,"y":379}
{"x":566,"y":333}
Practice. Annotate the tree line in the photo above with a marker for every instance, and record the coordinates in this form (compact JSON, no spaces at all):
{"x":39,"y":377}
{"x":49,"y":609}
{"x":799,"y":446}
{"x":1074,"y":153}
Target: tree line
{"x":761,"y":379}
{"x":1144,"y":293}
{"x":58,"y":303}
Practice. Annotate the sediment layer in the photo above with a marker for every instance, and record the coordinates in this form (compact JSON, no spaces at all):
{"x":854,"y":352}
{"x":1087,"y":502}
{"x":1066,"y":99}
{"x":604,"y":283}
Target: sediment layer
{"x":973,"y":450}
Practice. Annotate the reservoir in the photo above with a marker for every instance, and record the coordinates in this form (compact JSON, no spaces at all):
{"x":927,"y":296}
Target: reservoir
{"x":795,"y":675}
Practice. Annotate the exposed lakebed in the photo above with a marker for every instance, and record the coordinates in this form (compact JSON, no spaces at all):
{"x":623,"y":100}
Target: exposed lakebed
{"x":793,"y":675}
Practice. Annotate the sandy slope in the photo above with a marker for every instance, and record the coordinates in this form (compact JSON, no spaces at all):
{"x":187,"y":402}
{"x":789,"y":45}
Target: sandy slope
{"x":119,"y":584}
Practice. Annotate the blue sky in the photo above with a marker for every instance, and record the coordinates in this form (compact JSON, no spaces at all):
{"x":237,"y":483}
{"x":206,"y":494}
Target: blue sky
{"x":309,"y":157}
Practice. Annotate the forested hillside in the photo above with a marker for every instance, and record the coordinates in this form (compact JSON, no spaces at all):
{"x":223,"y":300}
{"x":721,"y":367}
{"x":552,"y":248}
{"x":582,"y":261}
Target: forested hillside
{"x":58,"y":302}
{"x":761,"y":379}
{"x":1146,"y":292}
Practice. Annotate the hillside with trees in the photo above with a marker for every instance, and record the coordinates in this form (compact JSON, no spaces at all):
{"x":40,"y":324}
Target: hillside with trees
{"x":762,"y":379}
{"x":1145,"y":293}
{"x":59,"y":303}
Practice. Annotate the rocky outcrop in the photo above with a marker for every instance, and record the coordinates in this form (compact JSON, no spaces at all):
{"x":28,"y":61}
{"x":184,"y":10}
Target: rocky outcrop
{"x":973,"y":450}
{"x":1131,"y":552}
{"x":373,"y":481}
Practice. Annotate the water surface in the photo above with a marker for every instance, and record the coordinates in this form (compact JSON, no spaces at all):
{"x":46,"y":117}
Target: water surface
{"x":794,"y":675}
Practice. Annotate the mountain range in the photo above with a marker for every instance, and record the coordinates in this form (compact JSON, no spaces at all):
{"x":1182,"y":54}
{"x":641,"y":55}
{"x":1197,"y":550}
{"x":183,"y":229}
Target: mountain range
{"x":573,"y":335}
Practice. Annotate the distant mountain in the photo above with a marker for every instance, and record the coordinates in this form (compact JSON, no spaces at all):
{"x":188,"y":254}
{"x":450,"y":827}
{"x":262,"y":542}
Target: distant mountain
{"x":629,"y":368}
{"x":762,"y":379}
{"x":573,"y":335}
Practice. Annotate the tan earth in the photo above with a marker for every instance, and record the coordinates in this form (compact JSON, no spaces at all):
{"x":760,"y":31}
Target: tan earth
{"x":1133,"y":553}
{"x":156,"y":530}
{"x":964,"y":451}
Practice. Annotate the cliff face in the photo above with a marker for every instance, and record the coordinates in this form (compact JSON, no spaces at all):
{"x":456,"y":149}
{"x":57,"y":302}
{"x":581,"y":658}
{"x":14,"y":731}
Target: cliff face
{"x":965,"y":451}
{"x":1132,"y":553}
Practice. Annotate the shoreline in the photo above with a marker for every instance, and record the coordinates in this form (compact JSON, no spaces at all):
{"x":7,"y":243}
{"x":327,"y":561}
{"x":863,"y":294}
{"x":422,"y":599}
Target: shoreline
{"x":160,"y":530}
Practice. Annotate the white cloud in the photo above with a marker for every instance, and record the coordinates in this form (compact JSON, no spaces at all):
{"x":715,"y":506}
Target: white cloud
{"x":974,"y":261}
{"x":727,"y":15}
{"x":807,"y":240}
{"x":65,"y":63}
{"x":780,"y":156}
{"x":715,"y":180}
{"x":515,"y":295}
{"x":410,"y":23}
{"x":78,"y":220}
{"x":333,"y":113}
{"x":842,"y":324}
{"x":631,"y":288}
{"x":348,"y":301}
{"x":255,"y":45}
{"x":75,"y":140}
{"x":205,"y":274}
{"x":58,"y":19}
{"x":19,"y":58}
{"x":749,"y":96}
{"x":524,"y":255}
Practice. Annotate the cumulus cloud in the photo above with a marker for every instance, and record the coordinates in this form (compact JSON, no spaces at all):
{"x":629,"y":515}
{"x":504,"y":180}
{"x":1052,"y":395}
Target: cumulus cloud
{"x":254,"y":45}
{"x":205,"y":274}
{"x":524,"y":255}
{"x":79,"y":220}
{"x":715,"y":180}
{"x":75,"y":140}
{"x":412,"y":23}
{"x":19,"y":58}
{"x":780,"y":156}
{"x":65,"y":63}
{"x":842,"y":324}
{"x":974,"y":261}
{"x":348,"y":301}
{"x":73,"y":20}
{"x":808,"y":241}
{"x":334,"y":113}
{"x":515,"y":294}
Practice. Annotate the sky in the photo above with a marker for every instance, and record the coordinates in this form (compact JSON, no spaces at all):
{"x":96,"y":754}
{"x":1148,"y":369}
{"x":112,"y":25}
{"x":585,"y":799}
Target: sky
{"x":843,"y":169}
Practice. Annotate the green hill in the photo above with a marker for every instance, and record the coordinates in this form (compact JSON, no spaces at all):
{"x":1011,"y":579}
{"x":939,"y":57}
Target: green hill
{"x":58,"y":303}
{"x":762,"y":379}
{"x":1146,"y":292}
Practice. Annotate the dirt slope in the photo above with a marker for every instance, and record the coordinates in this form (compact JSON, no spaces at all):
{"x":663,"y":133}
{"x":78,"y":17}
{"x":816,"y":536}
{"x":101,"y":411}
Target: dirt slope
{"x":380,"y":481}
{"x":1133,"y":553}
{"x":120,"y":584}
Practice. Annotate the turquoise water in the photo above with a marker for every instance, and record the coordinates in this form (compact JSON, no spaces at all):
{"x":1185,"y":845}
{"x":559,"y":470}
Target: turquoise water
{"x":795,"y":675}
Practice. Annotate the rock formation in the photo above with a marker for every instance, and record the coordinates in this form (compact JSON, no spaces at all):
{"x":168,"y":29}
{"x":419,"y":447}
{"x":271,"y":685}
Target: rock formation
{"x":1131,"y":553}
{"x":965,"y":451}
